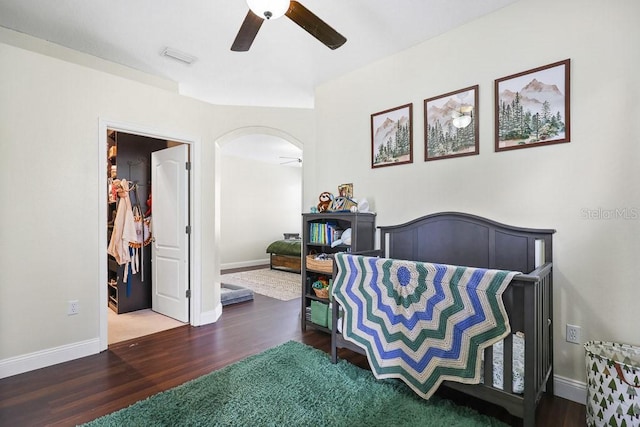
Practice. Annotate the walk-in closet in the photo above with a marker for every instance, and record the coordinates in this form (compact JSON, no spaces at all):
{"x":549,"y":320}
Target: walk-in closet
{"x":130,"y":235}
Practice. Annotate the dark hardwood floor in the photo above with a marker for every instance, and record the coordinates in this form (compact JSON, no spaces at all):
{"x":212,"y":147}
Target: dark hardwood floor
{"x":78,"y":391}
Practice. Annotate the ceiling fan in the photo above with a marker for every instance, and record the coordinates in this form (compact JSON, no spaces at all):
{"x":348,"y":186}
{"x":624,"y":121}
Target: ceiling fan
{"x":290,"y":160}
{"x":259,"y":10}
{"x":462,"y":117}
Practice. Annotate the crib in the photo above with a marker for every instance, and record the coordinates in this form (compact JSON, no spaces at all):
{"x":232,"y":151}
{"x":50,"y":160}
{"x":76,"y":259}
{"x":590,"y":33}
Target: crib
{"x":468,"y":240}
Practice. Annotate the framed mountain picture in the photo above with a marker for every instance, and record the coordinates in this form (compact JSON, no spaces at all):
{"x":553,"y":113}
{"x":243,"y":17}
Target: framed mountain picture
{"x":392,"y":136}
{"x":451,"y":125}
{"x":532,"y":107}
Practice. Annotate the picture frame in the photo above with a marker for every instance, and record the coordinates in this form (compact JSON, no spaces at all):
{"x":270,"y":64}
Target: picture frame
{"x":451,"y":125}
{"x":532,"y":108}
{"x":345,"y":190}
{"x":392,"y":136}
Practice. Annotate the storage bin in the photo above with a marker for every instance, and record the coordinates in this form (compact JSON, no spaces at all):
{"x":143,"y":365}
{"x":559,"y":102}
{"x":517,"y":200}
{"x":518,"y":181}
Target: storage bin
{"x":321,"y":265}
{"x":613,"y":384}
{"x":321,"y":293}
{"x":320,"y":313}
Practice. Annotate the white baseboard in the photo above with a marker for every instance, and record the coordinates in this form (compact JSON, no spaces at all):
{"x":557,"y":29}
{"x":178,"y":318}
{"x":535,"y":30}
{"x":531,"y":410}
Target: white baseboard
{"x":211,"y":316}
{"x":52,"y":356}
{"x":243,"y":264}
{"x":569,"y":389}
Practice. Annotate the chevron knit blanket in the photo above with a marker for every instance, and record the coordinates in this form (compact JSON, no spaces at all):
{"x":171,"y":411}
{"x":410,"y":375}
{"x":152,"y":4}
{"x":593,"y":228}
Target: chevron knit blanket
{"x":420,"y":322}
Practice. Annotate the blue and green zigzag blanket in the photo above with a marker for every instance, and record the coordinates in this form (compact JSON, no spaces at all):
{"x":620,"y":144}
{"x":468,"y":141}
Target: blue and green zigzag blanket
{"x":420,"y":322}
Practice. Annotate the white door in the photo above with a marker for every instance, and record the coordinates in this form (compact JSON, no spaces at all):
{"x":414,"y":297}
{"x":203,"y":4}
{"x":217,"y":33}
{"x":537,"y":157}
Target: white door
{"x":169,"y":258}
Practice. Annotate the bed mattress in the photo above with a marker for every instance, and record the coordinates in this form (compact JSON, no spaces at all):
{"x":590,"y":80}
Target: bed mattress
{"x":517,"y":363}
{"x":290,"y":247}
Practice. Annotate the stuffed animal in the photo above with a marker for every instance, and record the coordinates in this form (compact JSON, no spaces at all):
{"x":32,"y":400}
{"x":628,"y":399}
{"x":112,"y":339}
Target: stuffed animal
{"x":325,"y":201}
{"x":345,"y":239}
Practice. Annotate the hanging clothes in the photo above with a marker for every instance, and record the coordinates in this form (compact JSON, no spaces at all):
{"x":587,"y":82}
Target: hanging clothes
{"x":124,"y":230}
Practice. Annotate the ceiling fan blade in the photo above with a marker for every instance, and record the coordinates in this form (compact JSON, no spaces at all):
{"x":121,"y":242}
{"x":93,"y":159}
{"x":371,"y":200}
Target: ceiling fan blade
{"x":290,"y":160}
{"x":247,"y":33}
{"x":315,"y":26}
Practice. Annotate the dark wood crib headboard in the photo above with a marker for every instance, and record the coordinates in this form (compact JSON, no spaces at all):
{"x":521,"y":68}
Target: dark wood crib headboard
{"x":468,"y":240}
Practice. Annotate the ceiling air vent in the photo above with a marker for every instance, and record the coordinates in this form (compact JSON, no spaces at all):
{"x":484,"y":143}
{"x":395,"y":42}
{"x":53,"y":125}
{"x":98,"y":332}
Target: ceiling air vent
{"x":185,"y":58}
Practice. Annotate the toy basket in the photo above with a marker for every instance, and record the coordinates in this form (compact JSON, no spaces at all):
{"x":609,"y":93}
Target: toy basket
{"x":321,"y":265}
{"x":613,"y":384}
{"x":322,"y":292}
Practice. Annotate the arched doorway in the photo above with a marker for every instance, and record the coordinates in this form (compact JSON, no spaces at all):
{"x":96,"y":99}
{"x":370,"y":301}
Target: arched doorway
{"x":259,"y":181}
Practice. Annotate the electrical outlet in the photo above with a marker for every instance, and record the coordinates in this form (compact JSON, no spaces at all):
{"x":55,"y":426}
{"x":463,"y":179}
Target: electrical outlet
{"x":73,"y":307}
{"x":573,"y":334}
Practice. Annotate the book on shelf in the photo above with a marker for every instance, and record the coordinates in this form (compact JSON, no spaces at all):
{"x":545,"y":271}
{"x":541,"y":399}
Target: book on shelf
{"x":324,"y":233}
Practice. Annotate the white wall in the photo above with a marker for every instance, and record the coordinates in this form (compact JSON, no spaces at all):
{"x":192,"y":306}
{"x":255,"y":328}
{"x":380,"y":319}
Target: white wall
{"x":261,"y":201}
{"x":547,"y":187}
{"x":50,"y":111}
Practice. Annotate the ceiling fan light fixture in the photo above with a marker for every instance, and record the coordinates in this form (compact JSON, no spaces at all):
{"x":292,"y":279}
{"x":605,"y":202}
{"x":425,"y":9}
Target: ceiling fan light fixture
{"x":269,"y":9}
{"x":462,"y":121}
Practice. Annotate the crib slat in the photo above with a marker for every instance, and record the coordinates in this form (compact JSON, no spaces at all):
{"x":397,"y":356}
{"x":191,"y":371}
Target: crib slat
{"x":488,"y":366}
{"x":507,"y":364}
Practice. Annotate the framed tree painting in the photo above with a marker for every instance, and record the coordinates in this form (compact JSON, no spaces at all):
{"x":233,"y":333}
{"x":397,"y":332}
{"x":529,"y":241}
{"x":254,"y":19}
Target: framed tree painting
{"x":451,"y":124}
{"x":532,"y":107}
{"x":392,"y":136}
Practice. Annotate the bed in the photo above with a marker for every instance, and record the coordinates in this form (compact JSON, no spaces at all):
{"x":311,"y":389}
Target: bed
{"x":458,"y":239}
{"x":285,"y":254}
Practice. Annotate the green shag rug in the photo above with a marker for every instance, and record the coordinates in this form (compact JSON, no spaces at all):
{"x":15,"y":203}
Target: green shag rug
{"x":292,"y":385}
